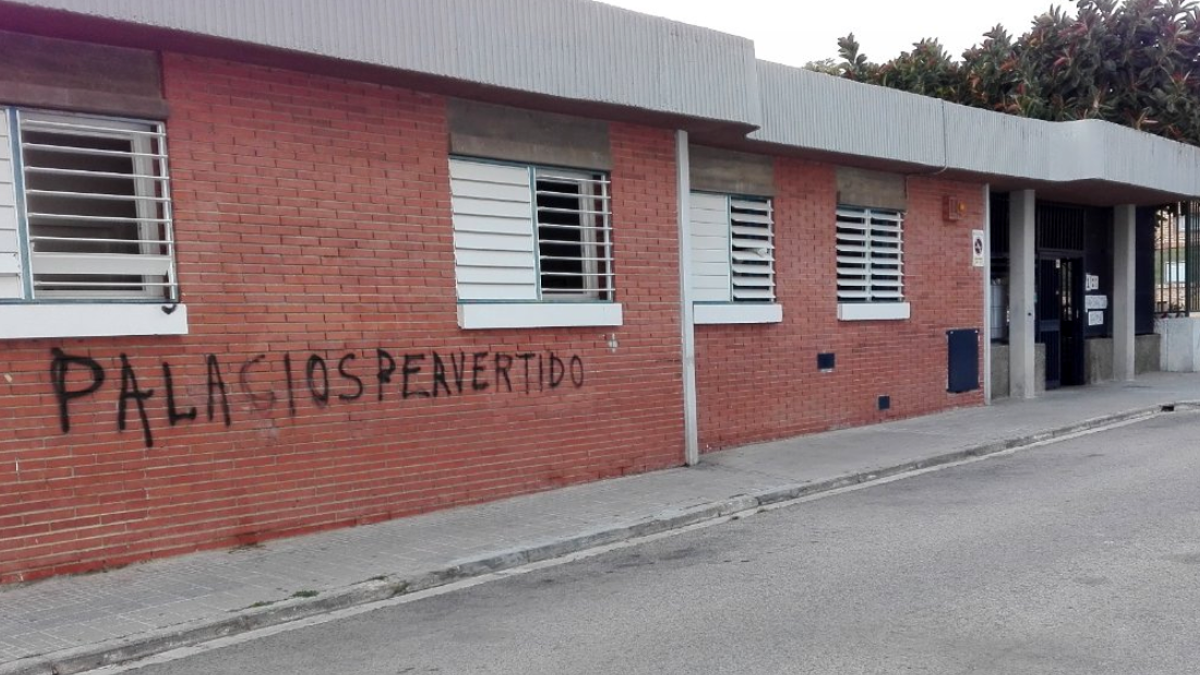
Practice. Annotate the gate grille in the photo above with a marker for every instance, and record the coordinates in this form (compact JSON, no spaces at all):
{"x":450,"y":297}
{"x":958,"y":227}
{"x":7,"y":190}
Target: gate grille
{"x":1177,"y":260}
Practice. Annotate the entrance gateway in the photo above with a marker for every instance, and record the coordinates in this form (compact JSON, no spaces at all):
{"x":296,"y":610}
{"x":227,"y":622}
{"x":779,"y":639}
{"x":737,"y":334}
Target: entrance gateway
{"x":1060,"y":292}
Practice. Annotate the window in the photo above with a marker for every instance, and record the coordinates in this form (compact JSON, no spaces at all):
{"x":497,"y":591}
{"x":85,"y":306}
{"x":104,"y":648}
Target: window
{"x":531,"y":235}
{"x":733,"y":258}
{"x":870,"y":264}
{"x":85,"y":217}
{"x":1175,"y":273}
{"x":573,"y":228}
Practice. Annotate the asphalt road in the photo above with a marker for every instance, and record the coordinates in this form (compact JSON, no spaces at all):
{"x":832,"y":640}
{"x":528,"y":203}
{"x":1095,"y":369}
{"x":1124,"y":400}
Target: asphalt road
{"x":1078,"y":557}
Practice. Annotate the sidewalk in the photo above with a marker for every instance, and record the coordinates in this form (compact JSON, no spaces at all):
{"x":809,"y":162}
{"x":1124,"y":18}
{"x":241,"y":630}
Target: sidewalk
{"x":71,"y":624}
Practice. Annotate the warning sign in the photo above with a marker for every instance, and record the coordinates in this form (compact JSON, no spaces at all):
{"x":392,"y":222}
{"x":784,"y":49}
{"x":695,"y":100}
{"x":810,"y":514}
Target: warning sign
{"x":977,"y":248}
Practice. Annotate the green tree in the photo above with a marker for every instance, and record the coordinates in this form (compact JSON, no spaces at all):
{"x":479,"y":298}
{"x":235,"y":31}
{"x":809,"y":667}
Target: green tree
{"x":1132,"y":62}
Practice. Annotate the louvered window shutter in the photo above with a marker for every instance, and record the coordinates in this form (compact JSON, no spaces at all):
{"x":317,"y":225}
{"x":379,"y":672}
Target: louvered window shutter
{"x":733,"y":249}
{"x":870,"y":255}
{"x":710,"y":248}
{"x":494,"y":239}
{"x":752,"y":250}
{"x":10,"y":247}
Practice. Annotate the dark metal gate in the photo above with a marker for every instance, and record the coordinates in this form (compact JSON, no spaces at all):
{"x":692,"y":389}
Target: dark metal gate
{"x":1060,"y":282}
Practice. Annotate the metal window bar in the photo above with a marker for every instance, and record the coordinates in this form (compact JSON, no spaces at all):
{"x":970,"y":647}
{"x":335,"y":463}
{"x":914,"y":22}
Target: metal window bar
{"x":870,"y":252}
{"x":575,"y":267}
{"x":94,"y":152}
{"x":96,"y":219}
{"x":69,"y":262}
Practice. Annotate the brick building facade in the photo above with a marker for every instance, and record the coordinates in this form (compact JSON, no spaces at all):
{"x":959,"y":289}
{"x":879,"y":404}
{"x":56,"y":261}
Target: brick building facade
{"x":386,"y":290}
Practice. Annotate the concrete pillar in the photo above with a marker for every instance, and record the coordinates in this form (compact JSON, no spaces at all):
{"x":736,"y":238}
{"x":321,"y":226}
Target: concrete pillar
{"x":1022,"y":263}
{"x":987,"y":294}
{"x":1124,"y":342}
{"x":687,"y":317}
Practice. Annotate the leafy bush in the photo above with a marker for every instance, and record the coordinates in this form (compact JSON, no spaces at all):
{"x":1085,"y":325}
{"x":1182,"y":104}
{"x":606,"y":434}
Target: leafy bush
{"x":1131,"y":62}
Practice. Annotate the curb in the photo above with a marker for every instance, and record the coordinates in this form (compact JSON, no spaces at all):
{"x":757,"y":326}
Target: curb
{"x":113,"y":652}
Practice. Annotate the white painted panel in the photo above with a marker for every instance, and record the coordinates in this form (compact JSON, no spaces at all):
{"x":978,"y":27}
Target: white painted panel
{"x":539,"y":315}
{"x":489,"y":207}
{"x":507,"y":259}
{"x":495,"y":275}
{"x":710,"y":247}
{"x":488,"y":172}
{"x":10,"y":266}
{"x":466,"y":222}
{"x":493,"y":231}
{"x":874,"y":311}
{"x":743,"y":312}
{"x":494,"y":292}
{"x":90,"y":320}
{"x":473,"y":241}
{"x":478,"y":189}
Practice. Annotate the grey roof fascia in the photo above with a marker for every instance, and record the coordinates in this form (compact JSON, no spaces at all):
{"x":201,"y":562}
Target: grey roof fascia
{"x":834,"y":116}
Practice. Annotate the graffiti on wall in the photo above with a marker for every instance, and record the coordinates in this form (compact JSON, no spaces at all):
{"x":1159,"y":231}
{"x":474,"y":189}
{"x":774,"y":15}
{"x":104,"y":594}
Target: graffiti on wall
{"x":322,"y":382}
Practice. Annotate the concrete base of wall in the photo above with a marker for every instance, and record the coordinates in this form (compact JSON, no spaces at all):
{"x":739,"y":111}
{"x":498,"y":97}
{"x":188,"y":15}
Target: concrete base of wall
{"x":1039,"y":369}
{"x":1148,"y":354}
{"x":1000,"y":373}
{"x":1180,"y":347}
{"x":1097,"y":357}
{"x":1001,"y":387}
{"x":1098,"y":360}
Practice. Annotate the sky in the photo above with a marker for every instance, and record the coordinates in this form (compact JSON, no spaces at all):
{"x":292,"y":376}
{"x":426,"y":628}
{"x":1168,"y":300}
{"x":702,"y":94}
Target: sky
{"x":795,"y":32}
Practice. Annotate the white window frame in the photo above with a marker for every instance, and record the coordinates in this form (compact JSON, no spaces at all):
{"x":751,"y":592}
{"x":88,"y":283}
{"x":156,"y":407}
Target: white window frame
{"x":36,"y":310}
{"x":869,"y":252}
{"x":741,"y":217}
{"x":520,"y":298}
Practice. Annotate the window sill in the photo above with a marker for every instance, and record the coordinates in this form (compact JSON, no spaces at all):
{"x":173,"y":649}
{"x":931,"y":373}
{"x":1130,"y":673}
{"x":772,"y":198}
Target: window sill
{"x":874,"y":311}
{"x":86,"y":319}
{"x":538,"y":315}
{"x":732,"y":313}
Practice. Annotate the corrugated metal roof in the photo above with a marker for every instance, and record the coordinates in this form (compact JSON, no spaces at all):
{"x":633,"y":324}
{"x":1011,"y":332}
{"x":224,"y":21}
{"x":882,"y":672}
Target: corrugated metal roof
{"x":812,"y":110}
{"x":574,"y":49}
{"x":588,"y":51}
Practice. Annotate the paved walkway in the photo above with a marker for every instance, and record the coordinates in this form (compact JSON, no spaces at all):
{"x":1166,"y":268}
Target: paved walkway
{"x":70,"y":624}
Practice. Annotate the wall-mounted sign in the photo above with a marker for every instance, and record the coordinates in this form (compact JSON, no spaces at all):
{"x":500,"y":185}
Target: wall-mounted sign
{"x":977,"y":248}
{"x":1093,"y":302}
{"x":1092,"y":283}
{"x":1095,"y":318}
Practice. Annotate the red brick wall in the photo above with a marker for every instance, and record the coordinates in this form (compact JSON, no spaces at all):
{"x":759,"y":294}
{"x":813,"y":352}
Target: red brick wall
{"x":761,"y":382}
{"x":313,"y":219}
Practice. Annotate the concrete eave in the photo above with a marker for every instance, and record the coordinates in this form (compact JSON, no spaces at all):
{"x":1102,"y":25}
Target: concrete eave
{"x":836,"y":120}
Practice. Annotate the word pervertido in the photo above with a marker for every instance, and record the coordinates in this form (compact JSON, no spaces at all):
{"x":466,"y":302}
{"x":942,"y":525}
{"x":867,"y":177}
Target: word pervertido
{"x":353,"y":376}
